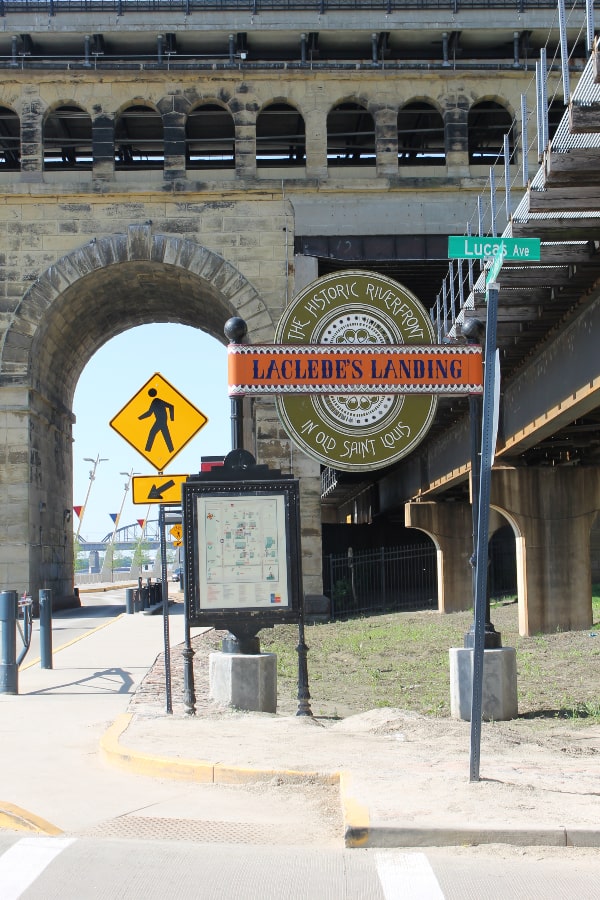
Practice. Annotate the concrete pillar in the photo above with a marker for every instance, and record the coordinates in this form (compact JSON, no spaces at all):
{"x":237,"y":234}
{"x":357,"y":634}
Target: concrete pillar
{"x":552,"y":510}
{"x":245,"y":149}
{"x":244,"y":680}
{"x":316,"y":144}
{"x":274,"y":448}
{"x":451,"y":528}
{"x":174,"y":144}
{"x":103,"y":147}
{"x":456,"y":129}
{"x":36,"y":536}
{"x":386,"y":141}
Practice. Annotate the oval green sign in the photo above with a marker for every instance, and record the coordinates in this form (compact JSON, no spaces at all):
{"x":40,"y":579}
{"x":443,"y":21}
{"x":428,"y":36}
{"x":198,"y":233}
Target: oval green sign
{"x":358,"y":432}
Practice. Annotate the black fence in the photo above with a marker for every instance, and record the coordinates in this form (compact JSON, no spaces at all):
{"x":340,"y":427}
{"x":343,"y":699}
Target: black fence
{"x":390,"y":579}
{"x":386,"y":579}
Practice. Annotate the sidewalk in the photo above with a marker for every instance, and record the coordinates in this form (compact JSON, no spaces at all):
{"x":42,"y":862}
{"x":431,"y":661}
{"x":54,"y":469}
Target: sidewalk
{"x":75,"y":735}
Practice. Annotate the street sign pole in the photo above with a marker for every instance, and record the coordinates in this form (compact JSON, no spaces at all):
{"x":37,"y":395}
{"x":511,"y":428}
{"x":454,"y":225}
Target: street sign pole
{"x":483,"y":517}
{"x":165,"y":606}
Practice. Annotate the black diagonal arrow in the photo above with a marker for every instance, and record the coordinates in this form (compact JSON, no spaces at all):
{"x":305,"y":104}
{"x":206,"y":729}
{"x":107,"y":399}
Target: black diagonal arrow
{"x":157,"y":492}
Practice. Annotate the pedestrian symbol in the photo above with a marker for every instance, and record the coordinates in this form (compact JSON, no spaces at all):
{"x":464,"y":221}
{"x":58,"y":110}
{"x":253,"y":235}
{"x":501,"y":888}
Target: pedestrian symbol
{"x":159,"y":408}
{"x":158,"y":421}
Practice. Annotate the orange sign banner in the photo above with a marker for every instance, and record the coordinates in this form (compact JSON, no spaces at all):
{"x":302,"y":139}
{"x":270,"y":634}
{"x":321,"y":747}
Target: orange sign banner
{"x":354,"y":369}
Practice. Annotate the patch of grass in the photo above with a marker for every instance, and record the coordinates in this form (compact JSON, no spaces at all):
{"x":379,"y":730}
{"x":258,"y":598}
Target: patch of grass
{"x":401,"y":660}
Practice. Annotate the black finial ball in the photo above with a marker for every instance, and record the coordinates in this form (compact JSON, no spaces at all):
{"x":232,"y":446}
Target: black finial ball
{"x":235,"y":330}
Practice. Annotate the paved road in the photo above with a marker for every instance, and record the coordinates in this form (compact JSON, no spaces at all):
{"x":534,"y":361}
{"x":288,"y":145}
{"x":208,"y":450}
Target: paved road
{"x":78,"y":869}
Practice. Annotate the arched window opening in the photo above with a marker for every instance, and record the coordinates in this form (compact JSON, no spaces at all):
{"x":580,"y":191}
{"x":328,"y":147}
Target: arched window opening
{"x":280,"y":136}
{"x":10,"y":139}
{"x":139,"y":142}
{"x":488,"y":123}
{"x":210,"y":138}
{"x":421,"y":135}
{"x":68,"y":138}
{"x":502,"y":564}
{"x":350,"y":136}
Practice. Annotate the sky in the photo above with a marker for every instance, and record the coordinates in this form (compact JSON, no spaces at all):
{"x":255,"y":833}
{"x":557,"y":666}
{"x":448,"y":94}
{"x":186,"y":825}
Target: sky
{"x":194,"y":363}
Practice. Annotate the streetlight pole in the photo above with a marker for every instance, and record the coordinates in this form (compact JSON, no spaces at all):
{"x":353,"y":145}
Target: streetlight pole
{"x":96,"y":462}
{"x":129,"y":476}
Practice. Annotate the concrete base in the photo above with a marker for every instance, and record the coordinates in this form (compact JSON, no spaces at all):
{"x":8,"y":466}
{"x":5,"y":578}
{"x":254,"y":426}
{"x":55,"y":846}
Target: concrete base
{"x":244,"y":680}
{"x":499,"y":699}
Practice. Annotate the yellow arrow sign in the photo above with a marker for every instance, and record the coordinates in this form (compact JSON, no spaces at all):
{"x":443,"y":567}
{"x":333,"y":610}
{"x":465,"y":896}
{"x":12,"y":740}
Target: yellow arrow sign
{"x":158,"y":421}
{"x":157,"y":488}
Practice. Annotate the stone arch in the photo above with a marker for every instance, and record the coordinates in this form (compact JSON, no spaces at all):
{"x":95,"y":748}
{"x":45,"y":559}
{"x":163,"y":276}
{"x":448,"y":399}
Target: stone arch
{"x":421,"y":133}
{"x":139,"y":136}
{"x":489,"y":120}
{"x":74,"y":307}
{"x":280,"y":135}
{"x":67,"y":136}
{"x":10,"y":138}
{"x":210,"y":136}
{"x":351,"y":134}
{"x":23,"y":348}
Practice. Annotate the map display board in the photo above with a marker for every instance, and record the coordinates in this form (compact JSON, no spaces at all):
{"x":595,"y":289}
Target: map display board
{"x":242,"y":549}
{"x":241,"y":552}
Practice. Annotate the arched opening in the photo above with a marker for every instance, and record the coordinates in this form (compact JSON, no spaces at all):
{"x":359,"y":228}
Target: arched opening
{"x":488,"y":123}
{"x":90,"y":296}
{"x":10,"y":139}
{"x":503,"y":564}
{"x":139,"y":140}
{"x":350,"y":136}
{"x":280,"y":136}
{"x":210,"y":138}
{"x":103,"y":461}
{"x":421,"y":135}
{"x":67,"y":138}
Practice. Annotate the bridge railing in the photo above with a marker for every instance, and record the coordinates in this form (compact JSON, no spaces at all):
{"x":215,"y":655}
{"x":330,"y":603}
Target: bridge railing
{"x":465,"y":279}
{"x":122,"y":7}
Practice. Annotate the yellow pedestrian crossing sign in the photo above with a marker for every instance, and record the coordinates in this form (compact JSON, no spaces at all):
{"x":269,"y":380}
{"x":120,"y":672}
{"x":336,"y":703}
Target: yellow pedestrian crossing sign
{"x":176,"y":533}
{"x":158,"y":421}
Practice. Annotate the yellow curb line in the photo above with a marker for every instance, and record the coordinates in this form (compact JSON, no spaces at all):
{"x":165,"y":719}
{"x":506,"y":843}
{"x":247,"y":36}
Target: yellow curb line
{"x":14,"y":818}
{"x":190,"y":769}
{"x":74,"y":640}
{"x":355,"y":814}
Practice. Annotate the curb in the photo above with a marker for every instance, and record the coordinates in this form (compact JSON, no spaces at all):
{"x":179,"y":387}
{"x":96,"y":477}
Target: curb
{"x":191,"y":769}
{"x":14,"y":818}
{"x":358,"y":830}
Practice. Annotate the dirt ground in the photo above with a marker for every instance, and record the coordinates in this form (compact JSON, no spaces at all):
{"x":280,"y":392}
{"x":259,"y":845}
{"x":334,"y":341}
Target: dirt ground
{"x":377,"y":687}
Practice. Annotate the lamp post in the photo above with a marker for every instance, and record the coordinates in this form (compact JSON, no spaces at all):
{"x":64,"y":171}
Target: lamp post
{"x":96,"y":463}
{"x":129,"y":476}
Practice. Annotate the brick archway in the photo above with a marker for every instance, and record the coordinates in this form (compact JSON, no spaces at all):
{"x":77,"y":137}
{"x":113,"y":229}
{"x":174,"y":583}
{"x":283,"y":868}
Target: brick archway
{"x":75,"y":306}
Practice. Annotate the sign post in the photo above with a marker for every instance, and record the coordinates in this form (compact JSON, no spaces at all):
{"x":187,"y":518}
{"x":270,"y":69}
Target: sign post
{"x":158,"y":421}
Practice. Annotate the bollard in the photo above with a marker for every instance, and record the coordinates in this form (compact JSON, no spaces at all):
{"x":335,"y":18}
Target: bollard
{"x":46,"y":629}
{"x":9,"y":672}
{"x":129,"y":601}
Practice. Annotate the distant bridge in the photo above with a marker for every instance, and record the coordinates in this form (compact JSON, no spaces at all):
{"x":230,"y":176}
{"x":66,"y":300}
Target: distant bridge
{"x":126,"y":538}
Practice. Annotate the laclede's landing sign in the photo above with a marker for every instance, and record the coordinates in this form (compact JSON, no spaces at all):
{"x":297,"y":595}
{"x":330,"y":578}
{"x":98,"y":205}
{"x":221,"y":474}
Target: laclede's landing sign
{"x":350,"y":369}
{"x":355,"y":371}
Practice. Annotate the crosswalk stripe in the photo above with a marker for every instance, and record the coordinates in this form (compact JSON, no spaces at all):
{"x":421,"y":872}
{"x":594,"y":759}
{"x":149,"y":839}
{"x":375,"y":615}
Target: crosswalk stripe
{"x":404,"y":875}
{"x":25,"y":861}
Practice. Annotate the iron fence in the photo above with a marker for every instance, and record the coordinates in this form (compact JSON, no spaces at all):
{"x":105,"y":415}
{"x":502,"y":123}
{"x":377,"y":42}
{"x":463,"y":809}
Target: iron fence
{"x":386,"y":579}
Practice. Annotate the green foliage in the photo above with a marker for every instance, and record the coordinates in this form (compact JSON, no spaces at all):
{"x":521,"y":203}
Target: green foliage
{"x":401,"y":660}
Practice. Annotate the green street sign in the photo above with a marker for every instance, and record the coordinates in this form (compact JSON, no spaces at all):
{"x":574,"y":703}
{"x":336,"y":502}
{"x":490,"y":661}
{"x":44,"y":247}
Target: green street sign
{"x":513,"y":249}
{"x":494,"y":269}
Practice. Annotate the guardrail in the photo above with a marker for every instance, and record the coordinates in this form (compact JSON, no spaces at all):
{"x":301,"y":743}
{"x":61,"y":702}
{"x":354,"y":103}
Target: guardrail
{"x":122,"y":7}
